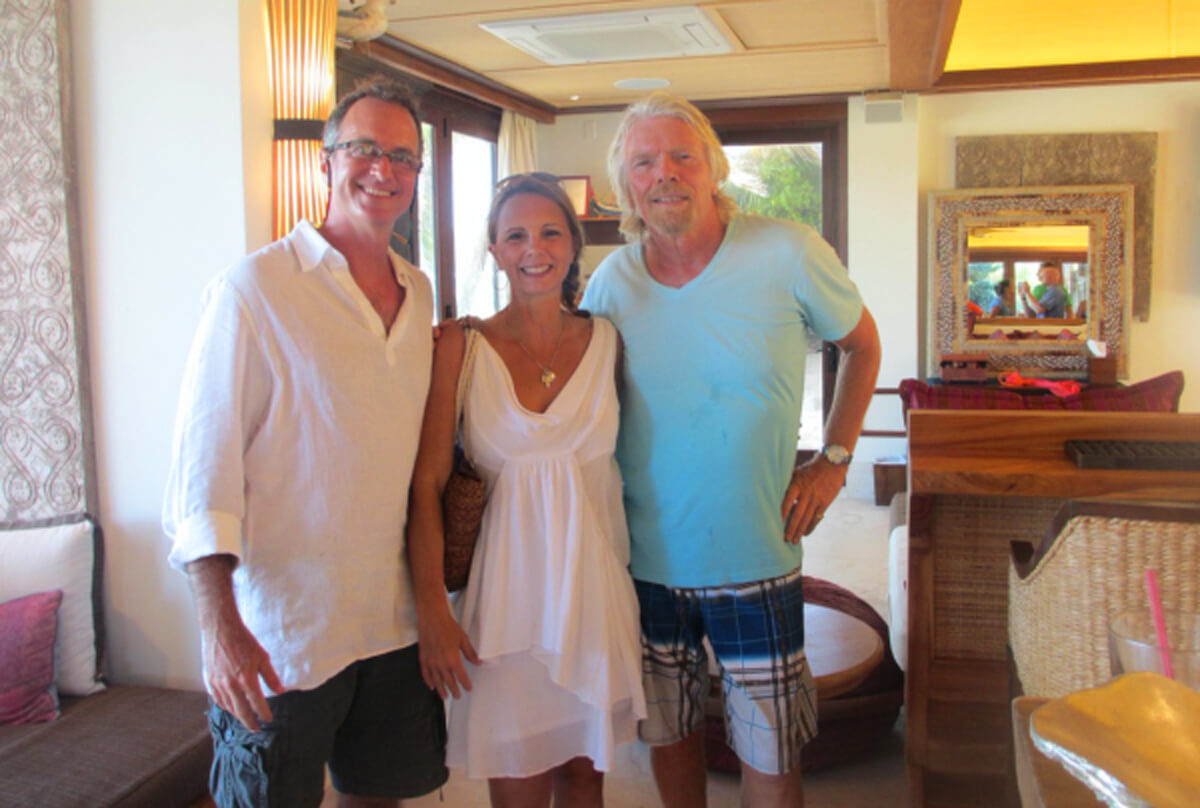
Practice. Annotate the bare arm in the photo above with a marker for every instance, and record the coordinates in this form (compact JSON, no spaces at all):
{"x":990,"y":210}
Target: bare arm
{"x":441,"y":641}
{"x":233,"y":659}
{"x":815,"y":484}
{"x":1031,"y":303}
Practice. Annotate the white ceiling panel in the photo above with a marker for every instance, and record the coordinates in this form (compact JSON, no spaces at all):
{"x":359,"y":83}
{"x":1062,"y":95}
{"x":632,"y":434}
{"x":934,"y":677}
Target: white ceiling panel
{"x":806,"y":46}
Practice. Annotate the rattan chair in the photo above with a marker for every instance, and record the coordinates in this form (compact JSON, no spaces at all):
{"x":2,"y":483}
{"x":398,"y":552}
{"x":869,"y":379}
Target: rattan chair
{"x":1090,"y":568}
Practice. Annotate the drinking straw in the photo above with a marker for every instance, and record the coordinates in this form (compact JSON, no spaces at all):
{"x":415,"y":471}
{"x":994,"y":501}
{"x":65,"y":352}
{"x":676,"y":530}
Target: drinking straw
{"x":1160,"y":626}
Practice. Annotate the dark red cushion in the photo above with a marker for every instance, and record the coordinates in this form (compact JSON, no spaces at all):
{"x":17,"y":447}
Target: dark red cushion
{"x":27,"y":628}
{"x":1160,"y":394}
{"x":917,"y":395}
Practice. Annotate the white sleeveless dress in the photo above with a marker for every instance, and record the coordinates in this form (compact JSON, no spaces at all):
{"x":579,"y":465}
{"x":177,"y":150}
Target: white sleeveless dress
{"x":550,"y":606}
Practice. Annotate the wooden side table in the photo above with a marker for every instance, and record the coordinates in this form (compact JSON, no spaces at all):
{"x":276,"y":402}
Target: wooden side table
{"x":891,"y":477}
{"x":841,"y":649}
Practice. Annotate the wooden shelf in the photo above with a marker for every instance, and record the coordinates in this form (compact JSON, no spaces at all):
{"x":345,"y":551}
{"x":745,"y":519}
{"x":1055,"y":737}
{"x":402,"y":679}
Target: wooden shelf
{"x":602,"y":230}
{"x":1019,"y":453}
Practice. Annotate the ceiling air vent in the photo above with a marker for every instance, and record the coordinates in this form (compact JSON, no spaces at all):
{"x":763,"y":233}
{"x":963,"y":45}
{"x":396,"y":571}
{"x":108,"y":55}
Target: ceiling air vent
{"x":623,"y":36}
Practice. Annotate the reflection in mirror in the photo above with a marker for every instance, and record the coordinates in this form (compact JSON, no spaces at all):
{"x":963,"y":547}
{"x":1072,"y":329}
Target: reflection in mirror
{"x":1022,"y":275}
{"x":1027,"y":276}
{"x":1000,"y":260}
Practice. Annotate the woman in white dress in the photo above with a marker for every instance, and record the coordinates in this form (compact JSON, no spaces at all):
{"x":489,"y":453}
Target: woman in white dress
{"x":544,"y":659}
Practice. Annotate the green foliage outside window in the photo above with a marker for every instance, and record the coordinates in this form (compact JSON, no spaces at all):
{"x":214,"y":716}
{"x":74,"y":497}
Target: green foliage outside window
{"x":981,"y":277}
{"x":779,"y":181}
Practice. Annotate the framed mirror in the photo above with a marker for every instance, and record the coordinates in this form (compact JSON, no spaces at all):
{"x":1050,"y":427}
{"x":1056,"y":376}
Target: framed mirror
{"x":1026,"y":277}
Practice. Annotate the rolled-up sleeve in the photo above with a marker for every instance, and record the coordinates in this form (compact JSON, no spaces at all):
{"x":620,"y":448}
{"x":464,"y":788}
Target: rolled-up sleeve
{"x":224,"y":395}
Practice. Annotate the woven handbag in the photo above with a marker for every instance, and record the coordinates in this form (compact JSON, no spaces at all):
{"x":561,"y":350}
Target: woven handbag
{"x":465,"y":494}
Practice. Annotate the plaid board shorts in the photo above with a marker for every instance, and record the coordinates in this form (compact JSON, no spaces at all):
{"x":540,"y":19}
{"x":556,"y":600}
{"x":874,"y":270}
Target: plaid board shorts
{"x":756,"y":632}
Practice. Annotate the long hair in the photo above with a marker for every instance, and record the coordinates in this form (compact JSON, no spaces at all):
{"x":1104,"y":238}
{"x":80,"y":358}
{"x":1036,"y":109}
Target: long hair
{"x":659,"y":105}
{"x":545,"y":185}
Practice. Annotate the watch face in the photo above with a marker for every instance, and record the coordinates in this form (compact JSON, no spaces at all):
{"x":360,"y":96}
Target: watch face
{"x":837,"y":455}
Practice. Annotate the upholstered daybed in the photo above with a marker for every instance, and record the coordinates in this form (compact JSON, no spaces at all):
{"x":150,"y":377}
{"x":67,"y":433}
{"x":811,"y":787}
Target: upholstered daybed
{"x":67,"y":738}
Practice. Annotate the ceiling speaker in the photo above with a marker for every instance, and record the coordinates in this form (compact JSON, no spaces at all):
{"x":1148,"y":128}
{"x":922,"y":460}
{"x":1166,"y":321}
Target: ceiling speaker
{"x":884,"y":107}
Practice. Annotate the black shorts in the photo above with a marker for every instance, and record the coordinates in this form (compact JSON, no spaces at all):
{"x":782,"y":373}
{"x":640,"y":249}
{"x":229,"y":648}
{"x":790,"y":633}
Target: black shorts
{"x":376,"y":724}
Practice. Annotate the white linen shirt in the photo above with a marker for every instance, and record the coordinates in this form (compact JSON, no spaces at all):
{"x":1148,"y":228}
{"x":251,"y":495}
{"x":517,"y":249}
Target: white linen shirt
{"x":297,"y":430}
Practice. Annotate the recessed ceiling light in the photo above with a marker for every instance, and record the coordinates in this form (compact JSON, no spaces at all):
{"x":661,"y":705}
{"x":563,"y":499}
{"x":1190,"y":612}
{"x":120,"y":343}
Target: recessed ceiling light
{"x":641,"y":84}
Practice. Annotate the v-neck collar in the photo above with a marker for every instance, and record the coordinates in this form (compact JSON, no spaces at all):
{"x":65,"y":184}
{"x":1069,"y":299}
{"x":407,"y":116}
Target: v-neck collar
{"x":512,"y":387}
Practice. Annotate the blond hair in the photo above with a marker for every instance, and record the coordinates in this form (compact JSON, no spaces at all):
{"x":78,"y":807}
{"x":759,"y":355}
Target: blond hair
{"x":665,"y":105}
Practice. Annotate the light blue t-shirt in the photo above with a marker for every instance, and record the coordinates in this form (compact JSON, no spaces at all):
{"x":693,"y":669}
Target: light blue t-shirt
{"x":714,"y":380}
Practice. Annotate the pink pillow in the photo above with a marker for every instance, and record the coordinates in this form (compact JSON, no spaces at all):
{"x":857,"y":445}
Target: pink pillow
{"x":27,"y":628}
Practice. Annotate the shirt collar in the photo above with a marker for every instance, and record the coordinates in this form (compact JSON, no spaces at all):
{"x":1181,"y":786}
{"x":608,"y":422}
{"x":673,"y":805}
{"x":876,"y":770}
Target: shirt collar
{"x":312,"y":249}
{"x":310,"y":246}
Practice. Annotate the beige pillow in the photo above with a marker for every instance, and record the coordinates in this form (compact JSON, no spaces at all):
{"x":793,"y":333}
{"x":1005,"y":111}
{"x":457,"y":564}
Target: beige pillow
{"x":59,"y":557}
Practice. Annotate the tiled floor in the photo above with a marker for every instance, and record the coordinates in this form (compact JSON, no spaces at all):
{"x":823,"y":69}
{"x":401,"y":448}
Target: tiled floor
{"x":850,"y":549}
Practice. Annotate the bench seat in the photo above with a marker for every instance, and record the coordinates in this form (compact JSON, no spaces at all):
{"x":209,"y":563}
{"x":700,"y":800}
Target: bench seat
{"x":125,"y":746}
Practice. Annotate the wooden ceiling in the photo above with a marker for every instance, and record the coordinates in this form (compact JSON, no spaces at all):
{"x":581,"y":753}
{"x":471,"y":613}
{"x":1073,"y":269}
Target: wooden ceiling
{"x":780,"y":49}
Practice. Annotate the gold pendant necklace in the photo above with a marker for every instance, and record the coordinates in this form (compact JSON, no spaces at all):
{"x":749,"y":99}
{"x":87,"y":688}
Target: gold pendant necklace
{"x":548,"y":376}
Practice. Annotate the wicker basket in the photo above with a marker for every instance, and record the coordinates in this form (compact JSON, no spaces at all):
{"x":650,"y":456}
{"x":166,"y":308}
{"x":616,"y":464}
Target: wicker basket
{"x":1059,"y":613}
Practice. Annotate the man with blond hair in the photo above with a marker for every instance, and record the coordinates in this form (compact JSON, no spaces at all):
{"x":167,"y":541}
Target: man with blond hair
{"x":714,"y":307}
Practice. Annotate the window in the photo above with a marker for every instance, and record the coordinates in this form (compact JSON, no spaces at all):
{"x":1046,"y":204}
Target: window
{"x":479,"y":288}
{"x":789,"y":162}
{"x":452,"y":205}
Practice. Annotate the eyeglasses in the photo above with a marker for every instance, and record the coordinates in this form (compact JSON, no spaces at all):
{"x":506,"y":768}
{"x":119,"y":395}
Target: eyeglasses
{"x":369,"y":151}
{"x":543,"y":176}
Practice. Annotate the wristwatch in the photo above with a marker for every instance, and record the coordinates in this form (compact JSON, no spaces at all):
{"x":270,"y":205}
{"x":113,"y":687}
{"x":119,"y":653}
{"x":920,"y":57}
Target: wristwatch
{"x":836,"y":455}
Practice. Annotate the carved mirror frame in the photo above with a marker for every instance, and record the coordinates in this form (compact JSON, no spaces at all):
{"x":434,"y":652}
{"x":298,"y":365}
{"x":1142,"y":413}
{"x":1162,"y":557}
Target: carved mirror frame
{"x":1107,"y":212}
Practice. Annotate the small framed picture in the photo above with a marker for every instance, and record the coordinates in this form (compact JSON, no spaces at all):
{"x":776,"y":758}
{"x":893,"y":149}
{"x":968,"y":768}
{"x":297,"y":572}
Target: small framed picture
{"x":579,"y":189}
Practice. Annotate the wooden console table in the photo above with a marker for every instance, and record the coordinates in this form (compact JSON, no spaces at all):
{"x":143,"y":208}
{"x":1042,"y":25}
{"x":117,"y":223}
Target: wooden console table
{"x":979,"y":480}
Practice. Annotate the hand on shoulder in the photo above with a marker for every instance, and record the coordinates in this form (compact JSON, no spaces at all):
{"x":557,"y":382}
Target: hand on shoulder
{"x":449,"y":336}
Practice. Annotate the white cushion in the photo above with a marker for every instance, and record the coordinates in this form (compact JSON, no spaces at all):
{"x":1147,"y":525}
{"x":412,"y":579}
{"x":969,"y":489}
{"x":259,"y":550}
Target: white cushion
{"x":898,"y":594}
{"x":59,"y":557}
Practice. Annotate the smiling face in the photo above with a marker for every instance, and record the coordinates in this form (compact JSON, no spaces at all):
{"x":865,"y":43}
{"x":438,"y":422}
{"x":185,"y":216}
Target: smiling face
{"x":534,"y":246}
{"x":670,"y":183}
{"x":373,"y":192}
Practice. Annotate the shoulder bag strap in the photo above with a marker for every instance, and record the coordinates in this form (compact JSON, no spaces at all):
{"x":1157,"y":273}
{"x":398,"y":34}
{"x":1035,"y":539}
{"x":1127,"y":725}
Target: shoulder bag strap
{"x":470,"y":345}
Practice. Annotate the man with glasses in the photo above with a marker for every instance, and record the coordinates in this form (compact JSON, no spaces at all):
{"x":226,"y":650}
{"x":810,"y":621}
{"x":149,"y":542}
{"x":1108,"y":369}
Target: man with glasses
{"x":714,"y":307}
{"x":297,"y":432}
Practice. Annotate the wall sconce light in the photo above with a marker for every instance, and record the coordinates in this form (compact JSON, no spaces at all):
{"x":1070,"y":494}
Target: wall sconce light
{"x":300,"y":57}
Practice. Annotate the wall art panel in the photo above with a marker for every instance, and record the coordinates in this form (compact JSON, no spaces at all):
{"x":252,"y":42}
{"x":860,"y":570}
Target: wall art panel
{"x":45,"y":425}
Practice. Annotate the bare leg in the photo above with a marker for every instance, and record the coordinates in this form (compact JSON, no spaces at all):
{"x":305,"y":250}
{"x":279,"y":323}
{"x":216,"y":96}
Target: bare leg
{"x":577,"y":784}
{"x":761,"y":790}
{"x":679,"y":772}
{"x":520,"y":792}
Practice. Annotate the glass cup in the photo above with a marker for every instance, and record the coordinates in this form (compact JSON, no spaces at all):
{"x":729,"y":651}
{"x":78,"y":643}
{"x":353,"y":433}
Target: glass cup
{"x":1133,"y":644}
